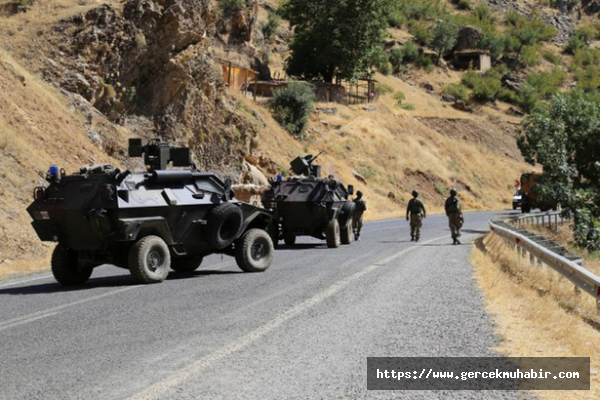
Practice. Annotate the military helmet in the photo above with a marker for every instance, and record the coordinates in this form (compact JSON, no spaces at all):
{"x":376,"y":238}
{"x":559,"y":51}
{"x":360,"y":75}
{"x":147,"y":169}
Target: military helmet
{"x":359,"y":194}
{"x":415,"y":193}
{"x":453,"y":192}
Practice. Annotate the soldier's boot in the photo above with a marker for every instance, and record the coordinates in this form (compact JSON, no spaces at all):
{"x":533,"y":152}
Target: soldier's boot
{"x":417,"y":239}
{"x":457,"y":241}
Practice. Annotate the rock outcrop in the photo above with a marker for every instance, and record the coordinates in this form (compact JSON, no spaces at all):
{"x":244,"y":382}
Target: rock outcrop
{"x":153,"y":61}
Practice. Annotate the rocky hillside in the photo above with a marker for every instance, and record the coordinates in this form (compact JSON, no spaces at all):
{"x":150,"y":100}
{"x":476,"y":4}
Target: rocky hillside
{"x":78,"y":78}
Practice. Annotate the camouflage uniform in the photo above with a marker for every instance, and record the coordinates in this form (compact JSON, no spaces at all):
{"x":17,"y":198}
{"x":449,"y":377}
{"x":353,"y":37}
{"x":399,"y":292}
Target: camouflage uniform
{"x":416,"y":211}
{"x":455,"y":217}
{"x":357,"y":217}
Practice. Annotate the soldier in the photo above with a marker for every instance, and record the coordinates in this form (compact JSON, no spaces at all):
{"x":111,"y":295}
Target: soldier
{"x":357,"y":217}
{"x":455,"y":217}
{"x":416,"y":210}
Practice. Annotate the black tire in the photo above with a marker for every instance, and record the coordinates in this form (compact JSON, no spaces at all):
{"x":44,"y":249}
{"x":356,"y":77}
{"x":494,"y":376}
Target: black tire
{"x":514,"y":207}
{"x":254,"y":251}
{"x":149,"y":260}
{"x":346,"y":213}
{"x":332,"y":234}
{"x":187,"y":264}
{"x":346,"y":234}
{"x":65,"y":267}
{"x":289,"y":239}
{"x":223,"y":225}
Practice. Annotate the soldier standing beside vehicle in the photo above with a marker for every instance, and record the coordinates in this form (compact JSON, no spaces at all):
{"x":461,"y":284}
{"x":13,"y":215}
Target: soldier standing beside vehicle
{"x":357,"y":217}
{"x":455,"y":217}
{"x":415,"y":211}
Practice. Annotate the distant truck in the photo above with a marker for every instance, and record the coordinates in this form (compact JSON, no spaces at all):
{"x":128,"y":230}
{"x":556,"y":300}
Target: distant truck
{"x":529,"y":194}
{"x":149,"y":221}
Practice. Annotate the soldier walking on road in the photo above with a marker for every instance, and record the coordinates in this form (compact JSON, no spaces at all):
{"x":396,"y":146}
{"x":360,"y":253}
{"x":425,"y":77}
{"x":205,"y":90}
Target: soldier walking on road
{"x":415,"y":211}
{"x":455,"y":217}
{"x":357,"y":217}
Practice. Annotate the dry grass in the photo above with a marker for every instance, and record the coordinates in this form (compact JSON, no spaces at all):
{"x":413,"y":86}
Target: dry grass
{"x":536,"y":313}
{"x":22,"y":267}
{"x":564,"y":236}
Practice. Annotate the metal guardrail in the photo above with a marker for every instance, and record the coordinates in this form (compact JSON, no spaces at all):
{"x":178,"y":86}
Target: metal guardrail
{"x":548,"y":252}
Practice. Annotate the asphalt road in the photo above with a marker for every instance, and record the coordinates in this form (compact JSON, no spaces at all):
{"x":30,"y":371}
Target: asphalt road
{"x":301,"y":330}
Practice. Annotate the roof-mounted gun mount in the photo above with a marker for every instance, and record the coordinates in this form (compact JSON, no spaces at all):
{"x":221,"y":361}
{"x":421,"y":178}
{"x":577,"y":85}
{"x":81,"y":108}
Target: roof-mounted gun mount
{"x":157,"y":154}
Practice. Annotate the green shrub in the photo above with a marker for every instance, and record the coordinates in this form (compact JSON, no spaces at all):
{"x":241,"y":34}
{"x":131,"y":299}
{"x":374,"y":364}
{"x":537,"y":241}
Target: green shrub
{"x":458,"y":90}
{"x":547,"y":83}
{"x":231,"y":7}
{"x":486,"y":89}
{"x":410,"y":52}
{"x":551,"y":57}
{"x":530,"y":56}
{"x":407,"y":106}
{"x":424,"y":61}
{"x":469,"y":79}
{"x":528,"y":97}
{"x":269,"y":28}
{"x":421,"y":31}
{"x":396,"y":56}
{"x":508,"y":96}
{"x":292,"y":107}
{"x":399,"y":97}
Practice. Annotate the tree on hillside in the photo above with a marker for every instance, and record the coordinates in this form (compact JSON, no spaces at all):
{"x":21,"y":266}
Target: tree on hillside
{"x":444,"y":38}
{"x":335,"y":37}
{"x":524,"y":31}
{"x":565,"y":139}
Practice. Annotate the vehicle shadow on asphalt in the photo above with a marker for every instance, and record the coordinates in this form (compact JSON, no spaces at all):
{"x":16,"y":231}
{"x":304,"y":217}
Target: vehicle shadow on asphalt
{"x":302,"y":246}
{"x":54,"y":287}
{"x":174,"y":276}
{"x":104,"y":282}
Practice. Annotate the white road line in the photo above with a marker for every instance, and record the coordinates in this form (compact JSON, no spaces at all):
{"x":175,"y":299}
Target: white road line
{"x":53,"y":311}
{"x":156,"y":390}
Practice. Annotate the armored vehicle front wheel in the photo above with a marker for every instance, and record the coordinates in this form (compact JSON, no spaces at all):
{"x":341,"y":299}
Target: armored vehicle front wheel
{"x":65,"y":267}
{"x":254,"y":251}
{"x":149,"y":260}
{"x":346,"y":234}
{"x":187,"y":264}
{"x":332,"y":234}
{"x":289,"y":239}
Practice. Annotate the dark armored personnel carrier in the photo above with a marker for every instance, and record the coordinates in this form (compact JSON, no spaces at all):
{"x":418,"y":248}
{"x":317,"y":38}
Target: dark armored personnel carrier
{"x":148,"y":221}
{"x":310,"y":205}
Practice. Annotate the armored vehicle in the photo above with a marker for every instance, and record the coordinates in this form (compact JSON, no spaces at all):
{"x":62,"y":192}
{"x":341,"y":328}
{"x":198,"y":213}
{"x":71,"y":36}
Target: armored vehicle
{"x":147,"y":221}
{"x":308,"y":205}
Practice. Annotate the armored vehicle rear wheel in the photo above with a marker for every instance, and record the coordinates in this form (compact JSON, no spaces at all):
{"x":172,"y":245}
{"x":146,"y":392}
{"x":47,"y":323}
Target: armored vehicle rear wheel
{"x":254,"y":251}
{"x":223,"y":225}
{"x":332,"y":234}
{"x":187,"y":264}
{"x":65,"y":267}
{"x":346,"y":234}
{"x":289,"y":239}
{"x":149,"y":260}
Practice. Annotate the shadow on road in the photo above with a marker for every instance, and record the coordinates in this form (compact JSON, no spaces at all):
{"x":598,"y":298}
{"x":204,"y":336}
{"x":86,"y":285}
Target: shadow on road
{"x":104,"y":282}
{"x":394,"y":241}
{"x":302,"y":246}
{"x":54,"y":287}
